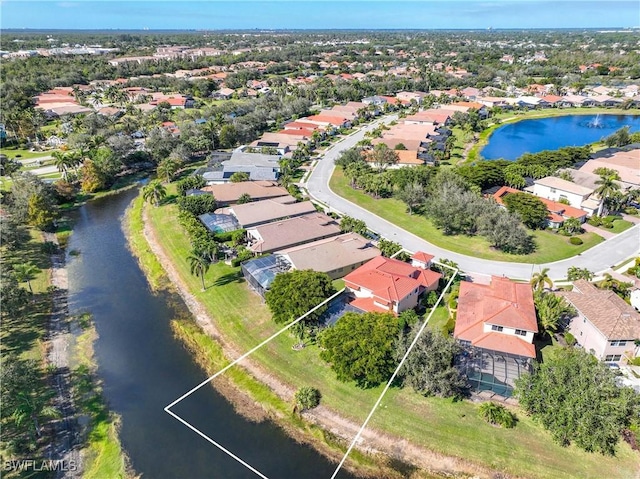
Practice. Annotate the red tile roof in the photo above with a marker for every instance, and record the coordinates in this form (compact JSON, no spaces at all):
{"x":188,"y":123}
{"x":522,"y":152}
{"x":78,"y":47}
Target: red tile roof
{"x":501,"y":303}
{"x":390,"y":280}
{"x":557,"y":211}
{"x":333,"y":120}
{"x":422,"y":256}
{"x":505,"y":343}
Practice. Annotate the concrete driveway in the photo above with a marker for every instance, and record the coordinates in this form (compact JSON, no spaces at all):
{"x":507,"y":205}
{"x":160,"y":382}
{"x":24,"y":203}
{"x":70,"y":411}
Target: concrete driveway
{"x":596,"y":259}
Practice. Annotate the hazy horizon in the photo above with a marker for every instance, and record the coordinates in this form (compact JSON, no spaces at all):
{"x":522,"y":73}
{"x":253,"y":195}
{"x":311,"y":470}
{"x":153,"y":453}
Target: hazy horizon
{"x":319,"y":15}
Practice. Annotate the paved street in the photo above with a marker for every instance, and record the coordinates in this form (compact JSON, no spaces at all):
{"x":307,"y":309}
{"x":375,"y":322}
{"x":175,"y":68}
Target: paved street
{"x":596,"y":259}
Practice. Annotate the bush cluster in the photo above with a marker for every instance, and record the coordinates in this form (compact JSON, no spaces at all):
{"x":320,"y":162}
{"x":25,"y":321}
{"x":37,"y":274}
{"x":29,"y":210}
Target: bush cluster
{"x":497,"y":414}
{"x":575,"y":240}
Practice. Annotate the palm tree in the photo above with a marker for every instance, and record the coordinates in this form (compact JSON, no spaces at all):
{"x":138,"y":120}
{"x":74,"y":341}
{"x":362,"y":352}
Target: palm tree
{"x":199,"y":263}
{"x":61,"y":160}
{"x":167,"y":168}
{"x":154,"y":192}
{"x":25,"y":272}
{"x":607,"y":186}
{"x":538,"y":280}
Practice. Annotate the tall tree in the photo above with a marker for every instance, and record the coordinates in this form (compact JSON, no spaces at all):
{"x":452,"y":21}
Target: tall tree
{"x":361,"y":347}
{"x":294,"y":293}
{"x":199,"y":263}
{"x":413,"y":195}
{"x":540,"y":279}
{"x":575,"y":397}
{"x":167,"y":168}
{"x":607,"y":185}
{"x":550,"y":309}
{"x":154,"y":192}
{"x":532,"y":211}
{"x":429,"y":369}
{"x":382,"y":156}
{"x":25,"y":273}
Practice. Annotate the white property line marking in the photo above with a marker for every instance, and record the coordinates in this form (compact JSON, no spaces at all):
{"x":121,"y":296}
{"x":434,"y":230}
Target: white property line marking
{"x":167,"y":408}
{"x":395,"y":373}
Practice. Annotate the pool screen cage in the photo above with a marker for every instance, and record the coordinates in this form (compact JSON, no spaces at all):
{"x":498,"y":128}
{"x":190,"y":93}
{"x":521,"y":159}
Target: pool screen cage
{"x":493,"y":371}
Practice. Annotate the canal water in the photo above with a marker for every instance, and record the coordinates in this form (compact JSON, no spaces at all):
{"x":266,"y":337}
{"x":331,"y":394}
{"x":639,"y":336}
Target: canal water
{"x":531,"y":136}
{"x":143,"y":368}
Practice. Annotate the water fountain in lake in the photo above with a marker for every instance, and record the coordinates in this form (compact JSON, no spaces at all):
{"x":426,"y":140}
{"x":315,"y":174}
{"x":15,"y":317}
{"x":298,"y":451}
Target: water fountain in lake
{"x":596,"y":122}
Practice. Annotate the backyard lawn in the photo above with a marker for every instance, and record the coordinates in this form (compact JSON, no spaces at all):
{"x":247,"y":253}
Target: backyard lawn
{"x":550,"y":246}
{"x":450,"y":428}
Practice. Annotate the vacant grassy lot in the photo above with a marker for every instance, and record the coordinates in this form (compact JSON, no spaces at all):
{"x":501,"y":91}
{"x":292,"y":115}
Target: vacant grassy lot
{"x":550,"y":246}
{"x":450,"y":428}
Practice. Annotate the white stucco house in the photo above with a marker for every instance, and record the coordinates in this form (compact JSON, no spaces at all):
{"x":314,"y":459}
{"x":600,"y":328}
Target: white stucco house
{"x":557,"y":189}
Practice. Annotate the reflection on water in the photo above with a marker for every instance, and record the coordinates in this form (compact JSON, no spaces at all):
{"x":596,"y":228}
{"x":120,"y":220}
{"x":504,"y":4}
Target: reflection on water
{"x":144,"y":368}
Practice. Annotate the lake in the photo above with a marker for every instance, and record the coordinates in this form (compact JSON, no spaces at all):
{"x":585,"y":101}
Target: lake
{"x":531,"y":136}
{"x":143,"y":367}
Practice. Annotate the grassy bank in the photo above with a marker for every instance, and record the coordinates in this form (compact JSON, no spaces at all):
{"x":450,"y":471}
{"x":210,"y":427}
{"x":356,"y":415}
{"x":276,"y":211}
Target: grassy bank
{"x":445,"y":427}
{"x":515,"y":116}
{"x":103,"y":454}
{"x":550,"y":246}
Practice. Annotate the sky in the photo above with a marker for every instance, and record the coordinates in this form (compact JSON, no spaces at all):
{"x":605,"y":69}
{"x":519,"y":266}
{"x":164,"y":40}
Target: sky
{"x":318,"y":14}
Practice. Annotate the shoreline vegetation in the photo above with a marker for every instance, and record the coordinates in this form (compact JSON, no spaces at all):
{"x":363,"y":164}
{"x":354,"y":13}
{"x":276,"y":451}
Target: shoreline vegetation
{"x":100,"y":454}
{"x":421,"y":437}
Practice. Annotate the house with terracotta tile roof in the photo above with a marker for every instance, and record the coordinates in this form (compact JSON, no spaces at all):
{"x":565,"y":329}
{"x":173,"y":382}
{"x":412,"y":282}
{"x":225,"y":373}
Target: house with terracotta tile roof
{"x":605,"y":325}
{"x":498,"y":317}
{"x":558,"y":212}
{"x":386,"y":285}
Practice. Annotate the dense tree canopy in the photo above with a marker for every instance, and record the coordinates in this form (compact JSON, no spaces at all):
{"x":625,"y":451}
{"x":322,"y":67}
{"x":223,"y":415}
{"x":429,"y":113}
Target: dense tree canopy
{"x":294,"y":293}
{"x":575,"y":397}
{"x":429,"y":367}
{"x":361,"y":347}
{"x":532,"y":211}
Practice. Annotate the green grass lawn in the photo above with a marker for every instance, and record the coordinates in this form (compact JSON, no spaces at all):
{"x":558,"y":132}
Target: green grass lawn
{"x":439,"y":318}
{"x":441,"y":425}
{"x":12,"y":152}
{"x":620,"y":225}
{"x":550,"y":246}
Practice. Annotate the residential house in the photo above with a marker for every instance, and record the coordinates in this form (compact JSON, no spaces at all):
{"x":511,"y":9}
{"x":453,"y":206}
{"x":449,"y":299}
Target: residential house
{"x":432,"y":116}
{"x":558,"y":212}
{"x":390,"y":286}
{"x":230,"y":193}
{"x":223,"y":94}
{"x":261,"y":212}
{"x":557,"y":189}
{"x":625,"y":161}
{"x":605,"y":325}
{"x":499,"y":317}
{"x":336,"y":256}
{"x":291,"y":232}
{"x":258,"y":166}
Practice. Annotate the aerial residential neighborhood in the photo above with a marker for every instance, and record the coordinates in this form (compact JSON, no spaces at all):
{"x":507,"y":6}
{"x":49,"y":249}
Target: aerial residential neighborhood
{"x":242,"y":245}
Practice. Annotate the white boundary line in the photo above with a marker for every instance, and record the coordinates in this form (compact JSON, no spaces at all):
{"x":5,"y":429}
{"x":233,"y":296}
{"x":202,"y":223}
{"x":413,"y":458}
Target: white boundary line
{"x":395,"y":373}
{"x":167,"y":408}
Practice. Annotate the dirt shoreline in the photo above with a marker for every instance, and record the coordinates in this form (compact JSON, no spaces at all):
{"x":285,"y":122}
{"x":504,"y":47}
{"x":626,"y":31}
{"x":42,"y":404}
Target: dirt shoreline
{"x":66,"y":444}
{"x":371,"y":441}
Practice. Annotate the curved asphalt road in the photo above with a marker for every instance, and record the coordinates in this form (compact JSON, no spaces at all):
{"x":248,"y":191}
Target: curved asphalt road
{"x":596,"y":259}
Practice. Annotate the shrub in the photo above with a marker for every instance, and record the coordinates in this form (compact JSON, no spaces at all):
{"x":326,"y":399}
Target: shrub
{"x":307,"y":398}
{"x":575,"y":240}
{"x":198,"y":204}
{"x":595,"y":221}
{"x":632,"y":211}
{"x":497,"y":414}
{"x":570,"y":339}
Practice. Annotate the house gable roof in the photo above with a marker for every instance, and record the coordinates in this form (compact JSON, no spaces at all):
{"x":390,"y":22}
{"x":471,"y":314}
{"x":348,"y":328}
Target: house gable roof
{"x":501,"y":303}
{"x":609,"y":313}
{"x":390,"y":280}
